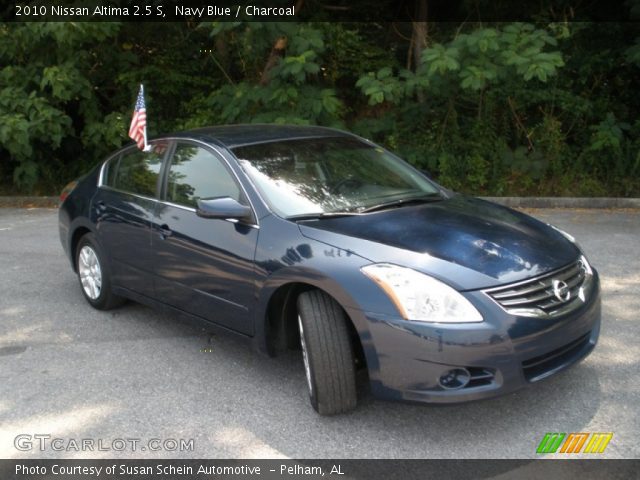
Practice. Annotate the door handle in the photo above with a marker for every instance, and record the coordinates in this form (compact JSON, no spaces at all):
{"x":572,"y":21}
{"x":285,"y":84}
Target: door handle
{"x":101,"y":207}
{"x":165,"y":231}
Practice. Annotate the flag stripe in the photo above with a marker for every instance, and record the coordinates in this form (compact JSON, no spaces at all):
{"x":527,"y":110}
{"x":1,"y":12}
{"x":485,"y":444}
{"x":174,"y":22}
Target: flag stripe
{"x":137,"y":129}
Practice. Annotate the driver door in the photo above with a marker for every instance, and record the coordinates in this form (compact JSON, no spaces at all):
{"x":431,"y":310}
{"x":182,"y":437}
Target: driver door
{"x":203,"y":266}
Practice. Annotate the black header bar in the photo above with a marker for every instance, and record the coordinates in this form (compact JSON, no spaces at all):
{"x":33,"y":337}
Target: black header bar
{"x":319,"y":10}
{"x":114,"y":469}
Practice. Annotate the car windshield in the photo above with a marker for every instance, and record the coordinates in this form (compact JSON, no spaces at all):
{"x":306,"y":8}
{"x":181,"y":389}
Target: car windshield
{"x":330,"y":175}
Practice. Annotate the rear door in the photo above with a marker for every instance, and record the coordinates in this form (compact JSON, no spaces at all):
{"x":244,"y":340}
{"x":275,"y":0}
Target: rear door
{"x":203,"y":266}
{"x":124,"y":206}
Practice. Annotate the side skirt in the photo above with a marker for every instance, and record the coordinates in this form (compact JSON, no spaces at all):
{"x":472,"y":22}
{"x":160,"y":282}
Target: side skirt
{"x":183,"y":316}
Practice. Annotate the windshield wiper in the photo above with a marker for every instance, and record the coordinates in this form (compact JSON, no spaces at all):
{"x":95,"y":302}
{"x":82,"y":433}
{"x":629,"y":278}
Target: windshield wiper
{"x":320,"y":215}
{"x":432,"y":197}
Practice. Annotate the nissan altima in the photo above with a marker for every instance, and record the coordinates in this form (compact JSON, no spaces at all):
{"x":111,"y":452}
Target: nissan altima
{"x":315,"y":239}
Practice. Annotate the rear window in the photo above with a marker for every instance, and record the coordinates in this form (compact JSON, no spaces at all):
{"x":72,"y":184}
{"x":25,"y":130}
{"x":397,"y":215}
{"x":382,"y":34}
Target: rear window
{"x":135,"y":171}
{"x":109,"y":170}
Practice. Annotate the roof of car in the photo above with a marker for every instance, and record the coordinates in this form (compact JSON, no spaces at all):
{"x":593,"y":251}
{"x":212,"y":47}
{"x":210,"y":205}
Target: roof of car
{"x":232,"y":136}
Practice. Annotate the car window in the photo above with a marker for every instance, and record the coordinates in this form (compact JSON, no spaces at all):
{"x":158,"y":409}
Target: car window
{"x":136,"y":172}
{"x":196,"y":173}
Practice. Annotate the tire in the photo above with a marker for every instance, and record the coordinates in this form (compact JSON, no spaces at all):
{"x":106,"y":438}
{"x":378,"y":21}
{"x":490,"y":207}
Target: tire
{"x":94,"y":274}
{"x":327,"y":353}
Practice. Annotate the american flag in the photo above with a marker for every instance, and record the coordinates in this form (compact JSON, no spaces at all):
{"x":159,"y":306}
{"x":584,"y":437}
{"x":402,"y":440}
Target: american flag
{"x":138,"y":128}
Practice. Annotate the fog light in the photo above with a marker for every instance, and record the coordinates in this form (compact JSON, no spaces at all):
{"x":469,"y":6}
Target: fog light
{"x":454,"y":379}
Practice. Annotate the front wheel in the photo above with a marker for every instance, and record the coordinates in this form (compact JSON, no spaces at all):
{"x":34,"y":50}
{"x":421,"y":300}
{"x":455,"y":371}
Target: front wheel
{"x":93,"y":274}
{"x":327,"y":353}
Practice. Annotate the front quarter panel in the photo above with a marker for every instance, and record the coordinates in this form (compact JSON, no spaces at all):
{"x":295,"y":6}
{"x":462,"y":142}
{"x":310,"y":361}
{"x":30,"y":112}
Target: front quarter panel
{"x":285,"y":256}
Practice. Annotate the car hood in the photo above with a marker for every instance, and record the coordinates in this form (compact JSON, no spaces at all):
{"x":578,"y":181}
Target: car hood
{"x":493,"y":244}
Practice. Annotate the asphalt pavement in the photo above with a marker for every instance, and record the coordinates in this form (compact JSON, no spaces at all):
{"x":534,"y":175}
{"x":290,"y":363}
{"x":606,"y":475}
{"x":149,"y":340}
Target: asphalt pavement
{"x":71,"y":373}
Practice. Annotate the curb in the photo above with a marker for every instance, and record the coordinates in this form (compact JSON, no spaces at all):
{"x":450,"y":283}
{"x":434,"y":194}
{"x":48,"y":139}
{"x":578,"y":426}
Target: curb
{"x":566,"y":202}
{"x":29,"y":202}
{"x":514,"y":202}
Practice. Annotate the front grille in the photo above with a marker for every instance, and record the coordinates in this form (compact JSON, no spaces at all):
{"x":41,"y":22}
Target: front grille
{"x":536,"y":297}
{"x":536,"y":368}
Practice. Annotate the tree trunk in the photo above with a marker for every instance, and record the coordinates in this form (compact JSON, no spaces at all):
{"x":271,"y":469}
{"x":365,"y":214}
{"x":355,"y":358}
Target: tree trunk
{"x":420,"y":31}
{"x":222,"y":50}
{"x":419,"y":37}
{"x":277,"y":52}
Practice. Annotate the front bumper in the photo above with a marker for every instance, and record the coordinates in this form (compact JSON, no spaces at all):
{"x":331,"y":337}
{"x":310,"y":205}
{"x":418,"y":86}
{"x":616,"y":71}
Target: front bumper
{"x":504,"y":353}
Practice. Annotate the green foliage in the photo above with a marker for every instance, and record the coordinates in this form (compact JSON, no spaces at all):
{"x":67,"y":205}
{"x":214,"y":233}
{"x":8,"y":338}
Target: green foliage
{"x":45,"y":92}
{"x":608,"y":134}
{"x":524,"y":162}
{"x":632,"y":54}
{"x":608,"y":154}
{"x":381,"y":86}
{"x":67,"y":92}
{"x":296,"y":89}
{"x":471,"y":61}
{"x":507,"y":109}
{"x":518,"y":108}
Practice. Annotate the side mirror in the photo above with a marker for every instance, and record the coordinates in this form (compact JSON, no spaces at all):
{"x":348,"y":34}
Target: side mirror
{"x":222,"y":207}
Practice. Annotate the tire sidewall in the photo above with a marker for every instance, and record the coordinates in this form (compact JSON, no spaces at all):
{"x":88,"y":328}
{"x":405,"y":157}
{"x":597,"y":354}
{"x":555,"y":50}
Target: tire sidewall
{"x":313,"y":394}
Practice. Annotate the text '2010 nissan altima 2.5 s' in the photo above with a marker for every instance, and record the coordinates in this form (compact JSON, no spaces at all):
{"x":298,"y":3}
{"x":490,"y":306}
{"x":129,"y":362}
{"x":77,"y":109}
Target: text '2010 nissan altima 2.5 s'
{"x":313,"y":238}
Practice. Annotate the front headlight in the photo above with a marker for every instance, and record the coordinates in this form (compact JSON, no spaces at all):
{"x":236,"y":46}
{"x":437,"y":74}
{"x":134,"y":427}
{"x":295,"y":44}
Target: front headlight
{"x":420,"y":297}
{"x":572,"y":239}
{"x":586,"y":266}
{"x":566,"y":235}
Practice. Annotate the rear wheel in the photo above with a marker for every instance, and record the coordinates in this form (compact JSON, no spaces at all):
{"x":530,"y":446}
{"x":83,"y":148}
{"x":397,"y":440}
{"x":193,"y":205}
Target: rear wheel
{"x":327,"y":353}
{"x":94,"y":274}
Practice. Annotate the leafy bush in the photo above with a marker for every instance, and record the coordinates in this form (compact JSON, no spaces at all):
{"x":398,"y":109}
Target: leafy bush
{"x":499,"y":109}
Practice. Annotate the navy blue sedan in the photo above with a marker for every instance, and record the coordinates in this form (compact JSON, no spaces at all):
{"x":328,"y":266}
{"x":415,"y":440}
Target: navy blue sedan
{"x":316,"y":239}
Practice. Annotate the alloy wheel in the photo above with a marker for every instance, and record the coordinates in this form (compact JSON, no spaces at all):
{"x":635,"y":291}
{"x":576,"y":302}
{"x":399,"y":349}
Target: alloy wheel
{"x":90,"y":272}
